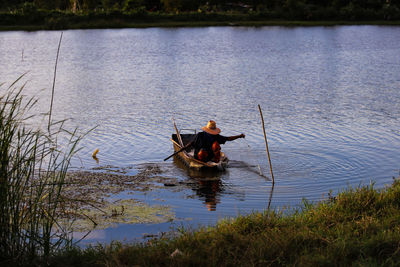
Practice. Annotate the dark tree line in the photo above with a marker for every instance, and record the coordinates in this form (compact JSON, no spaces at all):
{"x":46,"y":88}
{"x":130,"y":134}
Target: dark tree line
{"x":286,"y":9}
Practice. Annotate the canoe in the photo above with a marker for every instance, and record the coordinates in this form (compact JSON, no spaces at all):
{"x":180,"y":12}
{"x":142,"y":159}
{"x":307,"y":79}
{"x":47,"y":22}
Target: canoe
{"x":187,"y":156}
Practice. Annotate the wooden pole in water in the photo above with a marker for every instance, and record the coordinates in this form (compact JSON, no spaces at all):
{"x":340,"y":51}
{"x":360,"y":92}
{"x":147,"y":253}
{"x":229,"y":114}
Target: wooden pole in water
{"x":266,"y":144}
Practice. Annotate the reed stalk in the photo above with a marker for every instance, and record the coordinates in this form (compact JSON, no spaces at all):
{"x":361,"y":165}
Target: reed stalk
{"x":33,"y":167}
{"x":54,"y":81}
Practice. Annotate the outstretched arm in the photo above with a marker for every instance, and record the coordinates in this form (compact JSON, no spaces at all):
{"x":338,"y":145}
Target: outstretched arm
{"x":231,"y":138}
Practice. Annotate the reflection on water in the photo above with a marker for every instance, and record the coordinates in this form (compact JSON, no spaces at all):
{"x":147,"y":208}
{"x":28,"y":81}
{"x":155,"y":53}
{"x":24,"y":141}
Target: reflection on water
{"x":270,"y":197}
{"x":330,"y":98}
{"x":207,"y":174}
{"x":206,"y":183}
{"x":209,"y":192}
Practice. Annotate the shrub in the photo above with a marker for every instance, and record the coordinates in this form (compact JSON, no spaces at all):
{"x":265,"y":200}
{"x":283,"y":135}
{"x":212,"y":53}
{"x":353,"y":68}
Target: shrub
{"x":133,"y":5}
{"x":29,"y":9}
{"x":391,"y":12}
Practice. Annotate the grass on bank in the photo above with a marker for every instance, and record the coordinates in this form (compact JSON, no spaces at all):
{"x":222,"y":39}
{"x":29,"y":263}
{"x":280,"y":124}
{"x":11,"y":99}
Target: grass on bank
{"x":358,"y":227}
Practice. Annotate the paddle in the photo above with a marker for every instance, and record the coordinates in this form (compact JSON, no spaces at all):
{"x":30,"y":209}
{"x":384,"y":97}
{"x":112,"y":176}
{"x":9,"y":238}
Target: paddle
{"x":180,"y":150}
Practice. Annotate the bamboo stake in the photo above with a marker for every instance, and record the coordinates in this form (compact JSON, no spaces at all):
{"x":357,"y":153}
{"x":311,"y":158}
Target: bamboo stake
{"x":54,"y":82}
{"x":266,"y":144}
{"x":178,"y":135}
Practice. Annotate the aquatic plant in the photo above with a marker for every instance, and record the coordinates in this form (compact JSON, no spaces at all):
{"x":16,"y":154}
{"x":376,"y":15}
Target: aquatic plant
{"x":33,"y":166}
{"x":92,"y":198}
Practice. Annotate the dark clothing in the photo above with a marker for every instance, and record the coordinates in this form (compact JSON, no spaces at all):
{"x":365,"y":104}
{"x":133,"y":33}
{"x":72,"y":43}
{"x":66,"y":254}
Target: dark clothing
{"x":205,"y":141}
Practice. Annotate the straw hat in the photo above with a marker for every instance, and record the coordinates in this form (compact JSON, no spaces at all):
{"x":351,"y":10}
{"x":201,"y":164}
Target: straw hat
{"x":211,"y":128}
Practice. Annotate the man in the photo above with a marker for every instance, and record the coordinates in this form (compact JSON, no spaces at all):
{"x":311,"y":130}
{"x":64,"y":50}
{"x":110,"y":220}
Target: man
{"x":207,"y":143}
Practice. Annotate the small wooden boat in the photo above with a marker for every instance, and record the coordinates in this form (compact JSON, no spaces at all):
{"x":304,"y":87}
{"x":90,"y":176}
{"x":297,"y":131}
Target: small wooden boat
{"x":187,"y":156}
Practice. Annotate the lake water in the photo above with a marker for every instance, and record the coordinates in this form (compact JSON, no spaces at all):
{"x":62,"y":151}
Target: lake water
{"x":330,"y":98}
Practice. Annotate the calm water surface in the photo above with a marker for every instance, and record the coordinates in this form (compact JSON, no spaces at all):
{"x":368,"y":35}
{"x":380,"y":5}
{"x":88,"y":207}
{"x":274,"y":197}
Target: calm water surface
{"x":330,"y":97}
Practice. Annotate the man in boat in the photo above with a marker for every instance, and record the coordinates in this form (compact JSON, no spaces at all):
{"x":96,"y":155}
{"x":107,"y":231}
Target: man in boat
{"x":206,"y":144}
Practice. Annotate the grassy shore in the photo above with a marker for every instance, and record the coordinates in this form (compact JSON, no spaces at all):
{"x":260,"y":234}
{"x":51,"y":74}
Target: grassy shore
{"x":358,"y":227}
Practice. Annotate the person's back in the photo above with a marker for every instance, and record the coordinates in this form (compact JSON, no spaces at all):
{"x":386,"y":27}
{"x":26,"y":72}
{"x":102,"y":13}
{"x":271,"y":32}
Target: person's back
{"x":207,"y":143}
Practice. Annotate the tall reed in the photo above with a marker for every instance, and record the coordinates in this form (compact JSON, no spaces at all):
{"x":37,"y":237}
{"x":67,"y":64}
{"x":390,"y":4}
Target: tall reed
{"x":33,"y":167}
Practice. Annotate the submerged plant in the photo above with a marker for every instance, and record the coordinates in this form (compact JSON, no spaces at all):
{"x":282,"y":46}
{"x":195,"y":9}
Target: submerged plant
{"x":33,"y":166}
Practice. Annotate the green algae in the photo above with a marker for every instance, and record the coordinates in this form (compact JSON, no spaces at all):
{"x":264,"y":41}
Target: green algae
{"x":126,"y":211}
{"x":91,"y":197}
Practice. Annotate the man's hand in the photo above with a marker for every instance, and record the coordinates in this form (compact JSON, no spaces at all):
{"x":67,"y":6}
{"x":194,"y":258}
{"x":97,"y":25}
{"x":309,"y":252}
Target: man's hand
{"x":231,"y":138}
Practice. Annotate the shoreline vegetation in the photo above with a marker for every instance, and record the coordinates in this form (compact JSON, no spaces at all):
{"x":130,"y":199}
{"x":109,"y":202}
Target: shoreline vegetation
{"x":34,"y":15}
{"x":358,"y":227}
